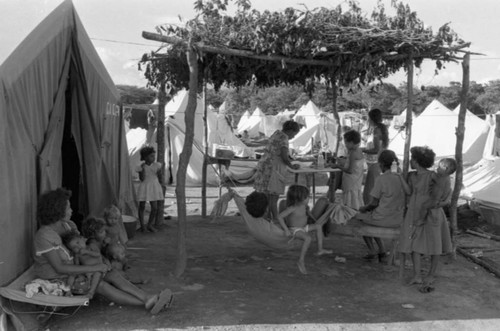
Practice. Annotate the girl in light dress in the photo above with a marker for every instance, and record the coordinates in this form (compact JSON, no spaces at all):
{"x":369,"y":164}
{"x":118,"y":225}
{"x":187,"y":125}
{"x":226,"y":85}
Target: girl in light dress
{"x":150,"y":188}
{"x":352,"y":171}
{"x":377,"y":141}
{"x":425,"y":228}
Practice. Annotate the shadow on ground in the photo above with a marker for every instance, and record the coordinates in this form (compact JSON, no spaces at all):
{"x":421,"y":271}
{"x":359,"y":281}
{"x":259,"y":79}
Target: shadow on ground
{"x":231,"y":280}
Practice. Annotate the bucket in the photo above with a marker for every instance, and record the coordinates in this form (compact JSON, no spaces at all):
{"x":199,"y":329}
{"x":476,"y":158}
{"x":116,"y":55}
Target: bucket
{"x":130,"y":224}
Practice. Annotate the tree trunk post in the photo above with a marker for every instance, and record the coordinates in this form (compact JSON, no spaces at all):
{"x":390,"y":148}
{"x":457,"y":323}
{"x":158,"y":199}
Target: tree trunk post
{"x":409,"y":117}
{"x":180,"y":190}
{"x":460,"y":132}
{"x":160,"y":144}
{"x":334,"y":177}
{"x":205,"y":156}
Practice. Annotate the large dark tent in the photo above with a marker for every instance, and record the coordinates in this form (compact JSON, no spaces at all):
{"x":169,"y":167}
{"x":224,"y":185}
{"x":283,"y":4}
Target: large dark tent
{"x":60,"y":125}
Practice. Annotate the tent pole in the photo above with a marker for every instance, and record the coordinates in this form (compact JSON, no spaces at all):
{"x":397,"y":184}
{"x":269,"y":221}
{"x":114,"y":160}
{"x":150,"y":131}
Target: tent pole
{"x":460,"y":132}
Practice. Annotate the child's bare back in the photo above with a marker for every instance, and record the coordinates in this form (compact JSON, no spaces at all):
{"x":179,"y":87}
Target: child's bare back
{"x":295,"y":216}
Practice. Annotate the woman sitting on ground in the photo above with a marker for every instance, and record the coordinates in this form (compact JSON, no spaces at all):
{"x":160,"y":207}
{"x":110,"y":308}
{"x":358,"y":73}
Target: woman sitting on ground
{"x":54,"y":262}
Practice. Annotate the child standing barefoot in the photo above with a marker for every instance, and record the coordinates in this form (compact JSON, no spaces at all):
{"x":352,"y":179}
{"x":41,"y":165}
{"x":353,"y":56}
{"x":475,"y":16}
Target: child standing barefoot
{"x":419,"y":190}
{"x":432,"y":236}
{"x":352,"y":171}
{"x":293,"y":220}
{"x":150,"y":187}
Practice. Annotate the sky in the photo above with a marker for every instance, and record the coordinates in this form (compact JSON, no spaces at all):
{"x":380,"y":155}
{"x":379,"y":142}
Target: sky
{"x":115,"y":28}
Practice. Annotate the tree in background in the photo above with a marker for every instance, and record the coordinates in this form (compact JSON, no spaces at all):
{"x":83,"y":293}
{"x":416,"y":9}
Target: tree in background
{"x":489,"y":101}
{"x":135,"y":95}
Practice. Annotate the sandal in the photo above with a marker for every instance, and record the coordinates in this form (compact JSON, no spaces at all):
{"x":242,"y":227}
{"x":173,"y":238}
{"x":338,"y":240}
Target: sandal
{"x":426,"y":289}
{"x":165,"y":299}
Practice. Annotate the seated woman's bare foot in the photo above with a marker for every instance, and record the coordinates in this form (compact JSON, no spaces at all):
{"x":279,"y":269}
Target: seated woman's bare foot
{"x":429,"y":280}
{"x":150,"y":302}
{"x":324,"y":252}
{"x":415,"y":280}
{"x":302,"y":267}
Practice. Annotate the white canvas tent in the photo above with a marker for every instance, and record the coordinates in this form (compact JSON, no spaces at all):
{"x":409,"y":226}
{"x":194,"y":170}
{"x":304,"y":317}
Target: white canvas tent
{"x":60,"y":125}
{"x":435,"y":127}
{"x":269,"y":124}
{"x":252,"y":124}
{"x":481,"y":182}
{"x":307,"y":115}
{"x":242,"y":122}
{"x":219,"y":133}
{"x":324,"y":133}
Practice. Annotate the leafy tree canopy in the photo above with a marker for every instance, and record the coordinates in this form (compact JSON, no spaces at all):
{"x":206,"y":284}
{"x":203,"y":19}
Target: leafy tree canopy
{"x":135,"y":95}
{"x":347,"y":46}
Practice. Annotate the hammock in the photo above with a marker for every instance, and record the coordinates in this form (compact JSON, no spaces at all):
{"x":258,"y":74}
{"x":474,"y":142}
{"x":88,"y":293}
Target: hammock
{"x":269,"y":233}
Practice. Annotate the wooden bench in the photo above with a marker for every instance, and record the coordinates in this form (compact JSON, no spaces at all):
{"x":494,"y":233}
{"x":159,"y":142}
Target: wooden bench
{"x":356,"y":228}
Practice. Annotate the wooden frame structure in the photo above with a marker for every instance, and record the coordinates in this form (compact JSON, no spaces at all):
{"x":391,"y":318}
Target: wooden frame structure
{"x":408,"y":56}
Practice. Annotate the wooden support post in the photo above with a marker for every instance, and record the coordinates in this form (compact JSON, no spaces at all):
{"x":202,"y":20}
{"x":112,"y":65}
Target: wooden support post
{"x":409,"y":117}
{"x":334,"y":177}
{"x":160,"y":144}
{"x":460,"y":132}
{"x":187,"y":149}
{"x":205,"y":156}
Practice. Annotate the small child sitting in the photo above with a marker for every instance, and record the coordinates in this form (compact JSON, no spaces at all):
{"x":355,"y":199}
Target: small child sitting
{"x":94,"y":229}
{"x":115,"y":253}
{"x":114,"y":231}
{"x":83,"y":256}
{"x":116,"y":256}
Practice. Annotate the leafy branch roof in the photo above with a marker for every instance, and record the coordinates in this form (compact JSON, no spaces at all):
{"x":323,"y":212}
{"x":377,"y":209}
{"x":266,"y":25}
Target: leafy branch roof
{"x":324,"y":43}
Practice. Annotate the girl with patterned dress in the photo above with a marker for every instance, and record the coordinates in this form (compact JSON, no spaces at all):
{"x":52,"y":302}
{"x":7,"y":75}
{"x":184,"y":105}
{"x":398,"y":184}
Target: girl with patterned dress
{"x":150,"y":188}
{"x":352,"y":171}
{"x":271,"y":172}
{"x":432,"y":235}
{"x":419,"y":189}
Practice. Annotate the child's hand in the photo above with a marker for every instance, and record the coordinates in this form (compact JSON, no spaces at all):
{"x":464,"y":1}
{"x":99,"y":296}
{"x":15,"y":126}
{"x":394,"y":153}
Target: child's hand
{"x":103,"y":267}
{"x":362,"y":209}
{"x":288,"y":233}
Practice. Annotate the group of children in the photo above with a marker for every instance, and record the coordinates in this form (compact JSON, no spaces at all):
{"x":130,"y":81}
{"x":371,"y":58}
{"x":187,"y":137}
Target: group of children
{"x":424,"y":228}
{"x":101,"y":241}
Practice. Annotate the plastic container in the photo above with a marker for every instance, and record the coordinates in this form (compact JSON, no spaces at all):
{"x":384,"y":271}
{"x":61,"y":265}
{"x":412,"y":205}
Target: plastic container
{"x":130,"y":223}
{"x":321,"y":161}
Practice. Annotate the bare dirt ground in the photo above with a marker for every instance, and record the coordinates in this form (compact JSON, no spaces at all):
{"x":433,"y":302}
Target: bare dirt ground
{"x":234,"y":282}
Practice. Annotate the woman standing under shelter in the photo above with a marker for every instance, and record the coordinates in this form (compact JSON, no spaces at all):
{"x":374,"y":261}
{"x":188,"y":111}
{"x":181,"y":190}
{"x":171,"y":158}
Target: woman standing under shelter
{"x":377,"y":141}
{"x":271,"y":172}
